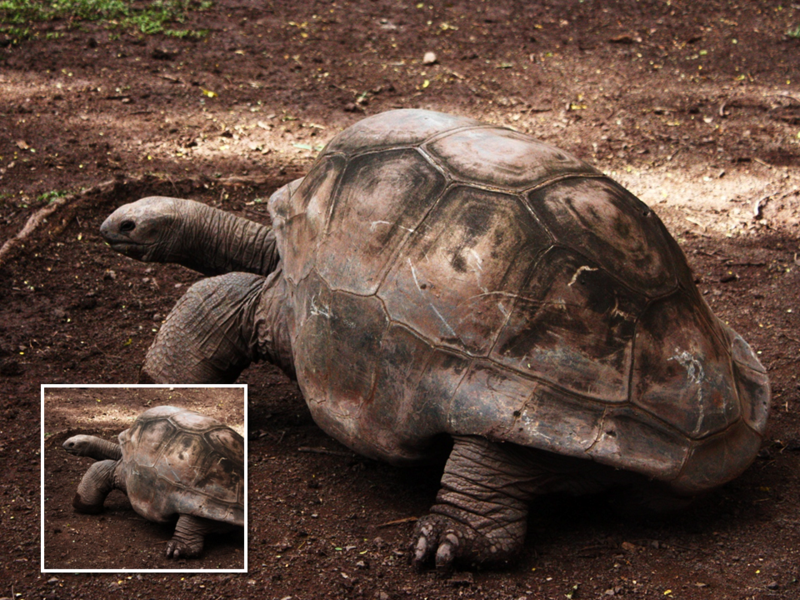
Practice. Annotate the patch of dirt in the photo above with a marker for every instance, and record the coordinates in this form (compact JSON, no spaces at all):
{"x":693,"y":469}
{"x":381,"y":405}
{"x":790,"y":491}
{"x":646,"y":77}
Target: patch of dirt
{"x":119,"y":538}
{"x":692,"y":106}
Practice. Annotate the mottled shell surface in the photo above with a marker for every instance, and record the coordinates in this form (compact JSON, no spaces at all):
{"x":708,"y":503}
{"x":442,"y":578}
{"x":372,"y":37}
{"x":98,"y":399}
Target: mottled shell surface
{"x":176,"y":461}
{"x":449,"y":276}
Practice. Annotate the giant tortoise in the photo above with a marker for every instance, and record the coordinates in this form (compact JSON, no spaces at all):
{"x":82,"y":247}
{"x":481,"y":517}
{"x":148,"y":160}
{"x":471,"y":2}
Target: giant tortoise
{"x":437,"y":278}
{"x":172,"y":463}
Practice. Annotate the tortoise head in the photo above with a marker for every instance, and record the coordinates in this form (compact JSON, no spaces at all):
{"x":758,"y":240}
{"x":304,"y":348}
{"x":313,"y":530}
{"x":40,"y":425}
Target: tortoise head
{"x":145,"y":229}
{"x":79,"y":445}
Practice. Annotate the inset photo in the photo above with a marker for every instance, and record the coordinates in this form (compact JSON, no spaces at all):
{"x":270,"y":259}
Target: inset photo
{"x":144,"y":478}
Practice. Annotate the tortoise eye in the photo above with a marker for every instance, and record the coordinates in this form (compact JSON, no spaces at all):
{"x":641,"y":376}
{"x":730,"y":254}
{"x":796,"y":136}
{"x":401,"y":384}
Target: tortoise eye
{"x":127,"y":226}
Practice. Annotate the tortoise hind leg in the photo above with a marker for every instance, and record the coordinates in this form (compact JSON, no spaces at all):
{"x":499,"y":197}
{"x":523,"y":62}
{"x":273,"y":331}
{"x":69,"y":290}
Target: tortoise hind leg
{"x":481,"y":509}
{"x":190,"y":532}
{"x":480,"y":515}
{"x":207,"y":336}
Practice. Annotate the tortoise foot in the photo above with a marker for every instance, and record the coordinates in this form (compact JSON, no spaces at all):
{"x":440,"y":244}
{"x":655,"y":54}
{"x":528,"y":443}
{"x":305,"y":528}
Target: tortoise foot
{"x":446,"y":542}
{"x":180,"y":549}
{"x":442,"y":540}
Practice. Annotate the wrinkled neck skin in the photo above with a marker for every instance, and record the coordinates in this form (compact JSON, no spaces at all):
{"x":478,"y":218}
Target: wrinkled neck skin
{"x":192,"y":234}
{"x":214,"y":242}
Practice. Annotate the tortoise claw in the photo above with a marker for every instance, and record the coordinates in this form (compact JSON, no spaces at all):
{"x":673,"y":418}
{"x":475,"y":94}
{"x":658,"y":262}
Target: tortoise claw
{"x":438,"y":539}
{"x":177,"y":549}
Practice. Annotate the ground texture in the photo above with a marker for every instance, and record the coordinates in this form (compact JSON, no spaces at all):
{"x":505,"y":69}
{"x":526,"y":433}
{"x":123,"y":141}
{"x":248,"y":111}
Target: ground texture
{"x":694,"y":106}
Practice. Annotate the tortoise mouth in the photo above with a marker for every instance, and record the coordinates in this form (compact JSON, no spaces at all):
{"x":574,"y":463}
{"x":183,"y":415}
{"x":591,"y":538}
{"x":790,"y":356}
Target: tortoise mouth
{"x":130,"y":248}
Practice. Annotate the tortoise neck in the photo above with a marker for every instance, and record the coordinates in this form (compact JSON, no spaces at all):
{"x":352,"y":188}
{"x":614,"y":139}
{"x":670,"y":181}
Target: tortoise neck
{"x":215,"y":242}
{"x":100,"y":449}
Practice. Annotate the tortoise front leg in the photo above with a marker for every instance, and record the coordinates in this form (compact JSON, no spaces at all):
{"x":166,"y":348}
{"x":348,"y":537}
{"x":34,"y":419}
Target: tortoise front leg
{"x":190,"y":531}
{"x":95,"y":485}
{"x":208,"y":337}
{"x":219,"y":327}
{"x":480,"y":515}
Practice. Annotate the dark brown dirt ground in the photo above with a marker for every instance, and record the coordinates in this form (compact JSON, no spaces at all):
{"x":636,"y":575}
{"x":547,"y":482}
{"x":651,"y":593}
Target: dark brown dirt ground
{"x":695,"y":106}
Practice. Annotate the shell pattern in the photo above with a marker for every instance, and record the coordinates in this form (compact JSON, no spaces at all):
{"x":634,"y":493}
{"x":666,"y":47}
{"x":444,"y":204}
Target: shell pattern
{"x":176,"y":461}
{"x":449,"y":276}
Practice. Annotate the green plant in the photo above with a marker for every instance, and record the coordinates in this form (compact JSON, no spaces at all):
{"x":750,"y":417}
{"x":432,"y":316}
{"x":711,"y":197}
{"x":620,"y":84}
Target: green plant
{"x":194,"y":34}
{"x":149,"y":17}
{"x":49,"y":197}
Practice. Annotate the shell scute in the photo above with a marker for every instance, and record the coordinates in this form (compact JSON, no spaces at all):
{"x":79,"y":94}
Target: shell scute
{"x":718,"y":459}
{"x":573,"y":325}
{"x":635,"y":440}
{"x":602,"y":220}
{"x":502,"y":158}
{"x":300,"y":213}
{"x":401,"y":128}
{"x":460,"y":271}
{"x":559,"y":421}
{"x":380,"y":202}
{"x":683,"y":374}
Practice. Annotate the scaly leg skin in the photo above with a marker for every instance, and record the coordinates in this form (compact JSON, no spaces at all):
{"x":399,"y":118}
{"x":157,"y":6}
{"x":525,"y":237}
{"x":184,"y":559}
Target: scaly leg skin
{"x":481,"y":509}
{"x":209,"y":335}
{"x":190,"y":532}
{"x":95,"y":485}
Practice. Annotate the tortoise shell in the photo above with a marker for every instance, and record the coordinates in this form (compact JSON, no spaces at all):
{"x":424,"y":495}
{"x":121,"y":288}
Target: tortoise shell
{"x":176,"y":461}
{"x":449,"y":276}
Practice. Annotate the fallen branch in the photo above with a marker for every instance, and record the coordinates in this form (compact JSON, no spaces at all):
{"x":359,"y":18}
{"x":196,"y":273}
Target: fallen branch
{"x":758,"y":207}
{"x":786,"y":95}
{"x":40,"y":215}
{"x":398,"y":522}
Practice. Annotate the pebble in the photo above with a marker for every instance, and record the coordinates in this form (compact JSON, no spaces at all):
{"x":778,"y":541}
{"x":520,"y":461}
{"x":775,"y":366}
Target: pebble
{"x":429,"y":58}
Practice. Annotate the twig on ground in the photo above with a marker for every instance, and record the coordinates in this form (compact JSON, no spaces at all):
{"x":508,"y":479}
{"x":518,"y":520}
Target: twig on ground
{"x":758,"y":207}
{"x":398,"y":522}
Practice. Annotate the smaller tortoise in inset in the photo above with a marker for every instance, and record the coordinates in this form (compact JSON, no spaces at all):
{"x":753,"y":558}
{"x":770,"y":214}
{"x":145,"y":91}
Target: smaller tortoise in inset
{"x":171,"y":462}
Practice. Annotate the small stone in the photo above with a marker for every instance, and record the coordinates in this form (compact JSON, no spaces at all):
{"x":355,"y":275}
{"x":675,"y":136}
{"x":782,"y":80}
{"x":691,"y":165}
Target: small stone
{"x":429,"y":58}
{"x":773,"y":585}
